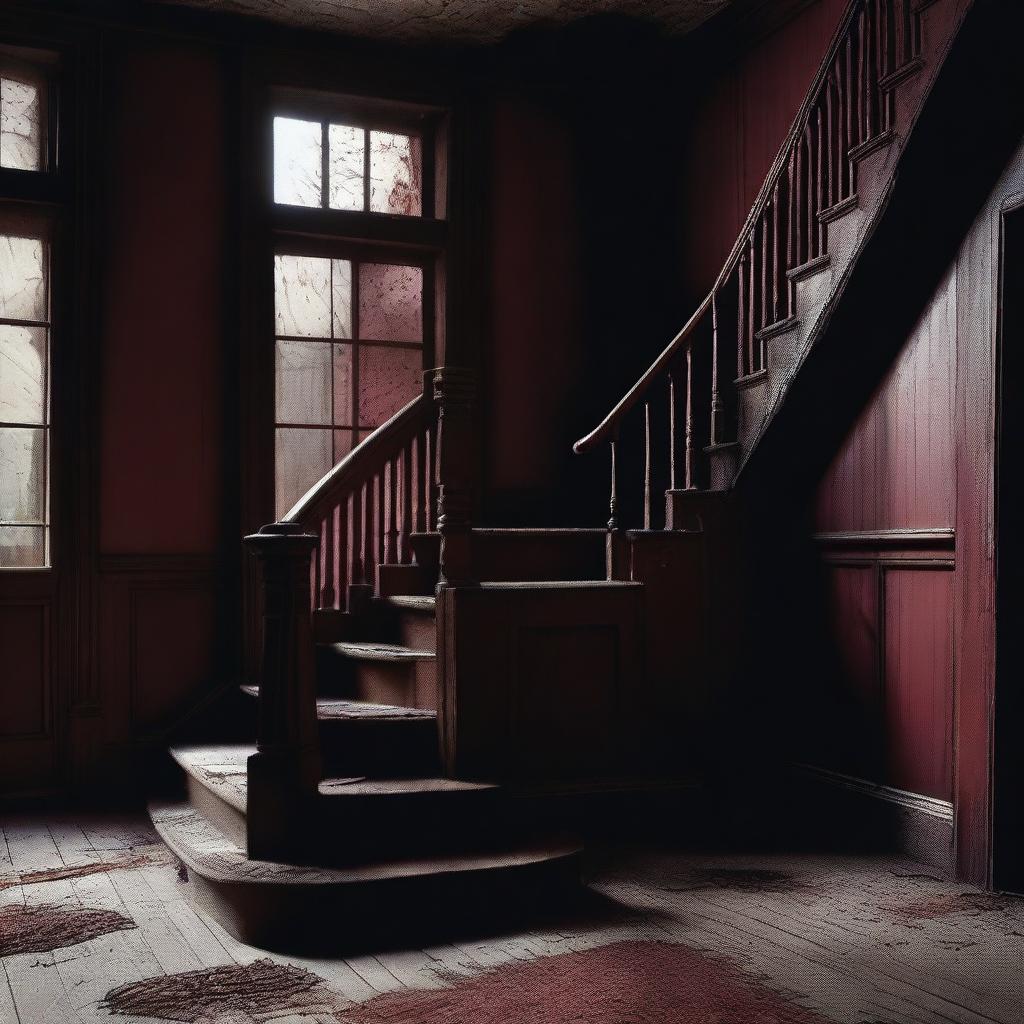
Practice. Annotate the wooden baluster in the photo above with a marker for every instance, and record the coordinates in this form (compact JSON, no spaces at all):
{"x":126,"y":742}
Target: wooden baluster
{"x":864,"y":114}
{"x":647,"y":465}
{"x":821,"y":182}
{"x":405,"y":555}
{"x":380,"y":531}
{"x":791,"y":204}
{"x":420,"y":494}
{"x":751,"y":305}
{"x":672,"y":426}
{"x":848,"y":120}
{"x":776,"y":270}
{"x":394,"y":555}
{"x":314,"y":566}
{"x":741,"y":315}
{"x":367,"y":540}
{"x":430,"y":468}
{"x":613,"y":501}
{"x":454,"y":394}
{"x":830,"y":192}
{"x":716,"y":400}
{"x":764,"y":285}
{"x":809,"y":198}
{"x":901,"y":33}
{"x":798,"y":256}
{"x":689,"y":413}
{"x":284,"y":772}
{"x":885,"y":10}
{"x":327,"y":576}
{"x":340,"y":552}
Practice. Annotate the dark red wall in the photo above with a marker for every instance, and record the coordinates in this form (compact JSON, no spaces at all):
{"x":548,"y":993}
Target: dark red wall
{"x":162,"y":423}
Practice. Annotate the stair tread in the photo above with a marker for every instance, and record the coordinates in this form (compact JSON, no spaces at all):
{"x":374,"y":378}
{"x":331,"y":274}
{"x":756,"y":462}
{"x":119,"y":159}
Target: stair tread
{"x":362,"y":786}
{"x":206,"y":850}
{"x":359,"y":710}
{"x":414,"y":602}
{"x":379,"y":651}
{"x":221,"y":769}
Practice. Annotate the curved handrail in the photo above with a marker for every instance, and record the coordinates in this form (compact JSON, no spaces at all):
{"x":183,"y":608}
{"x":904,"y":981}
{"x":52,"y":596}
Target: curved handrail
{"x":608,"y":426}
{"x":370,"y":449}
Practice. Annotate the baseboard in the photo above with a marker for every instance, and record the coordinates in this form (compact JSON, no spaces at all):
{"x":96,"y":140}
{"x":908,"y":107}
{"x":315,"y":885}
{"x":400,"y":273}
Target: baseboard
{"x":917,"y":826}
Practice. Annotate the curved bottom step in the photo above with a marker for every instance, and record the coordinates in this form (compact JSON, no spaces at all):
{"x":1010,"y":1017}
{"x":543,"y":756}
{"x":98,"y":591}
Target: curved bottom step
{"x":291,"y":908}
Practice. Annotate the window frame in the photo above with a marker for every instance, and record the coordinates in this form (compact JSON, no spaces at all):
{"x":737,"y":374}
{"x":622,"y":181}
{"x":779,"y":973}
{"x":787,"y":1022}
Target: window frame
{"x":357,"y":235}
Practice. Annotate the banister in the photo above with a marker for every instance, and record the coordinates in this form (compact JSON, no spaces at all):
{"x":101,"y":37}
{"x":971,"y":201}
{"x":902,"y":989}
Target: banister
{"x":393,"y":433}
{"x":609,"y":425}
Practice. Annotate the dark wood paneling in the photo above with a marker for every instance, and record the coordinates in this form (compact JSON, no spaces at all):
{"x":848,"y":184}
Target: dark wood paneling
{"x":25,"y":642}
{"x":918,"y":666}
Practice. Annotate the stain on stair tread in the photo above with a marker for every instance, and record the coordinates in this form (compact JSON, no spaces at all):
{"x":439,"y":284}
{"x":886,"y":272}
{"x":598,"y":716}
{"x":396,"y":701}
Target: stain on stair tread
{"x":206,"y":850}
{"x":400,"y":787}
{"x":380,"y":652}
{"x":331,"y":707}
{"x":222,"y":769}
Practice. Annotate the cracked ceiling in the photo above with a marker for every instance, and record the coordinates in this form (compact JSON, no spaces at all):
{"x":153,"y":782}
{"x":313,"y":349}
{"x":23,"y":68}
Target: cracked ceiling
{"x":461,"y":21}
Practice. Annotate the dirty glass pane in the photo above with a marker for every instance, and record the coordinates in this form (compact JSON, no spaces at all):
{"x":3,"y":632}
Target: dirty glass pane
{"x":23,"y":547}
{"x":346,"y":148}
{"x":303,"y":382}
{"x":22,"y":278}
{"x":22,"y":374}
{"x":302,"y":296}
{"x":390,"y":302}
{"x":21,"y":130}
{"x":341,"y":290}
{"x":343,"y":443}
{"x":389,"y":378}
{"x":22,"y":474}
{"x":395,"y":174}
{"x":301,"y":458}
{"x":298,"y":170}
{"x":343,"y":385}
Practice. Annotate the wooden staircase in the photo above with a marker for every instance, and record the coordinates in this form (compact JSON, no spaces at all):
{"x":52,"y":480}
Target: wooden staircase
{"x":417,"y":673}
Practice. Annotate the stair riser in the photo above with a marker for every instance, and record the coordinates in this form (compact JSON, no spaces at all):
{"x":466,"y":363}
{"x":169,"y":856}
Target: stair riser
{"x":228,"y":819}
{"x":417,"y":629}
{"x":380,"y":749}
{"x":410,"y":684}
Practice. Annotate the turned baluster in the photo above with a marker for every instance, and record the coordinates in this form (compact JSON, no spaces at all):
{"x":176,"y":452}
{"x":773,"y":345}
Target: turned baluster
{"x":689,"y":417}
{"x":647,"y":465}
{"x":830,"y":192}
{"x":751,"y":305}
{"x":430,"y":478}
{"x":454,"y":391}
{"x":848,"y":119}
{"x":340,"y":561}
{"x":716,"y":398}
{"x":741,"y":319}
{"x":821,"y":183}
{"x":393,"y":513}
{"x":327,"y":577}
{"x":791,"y":204}
{"x":404,"y":555}
{"x":776,"y":270}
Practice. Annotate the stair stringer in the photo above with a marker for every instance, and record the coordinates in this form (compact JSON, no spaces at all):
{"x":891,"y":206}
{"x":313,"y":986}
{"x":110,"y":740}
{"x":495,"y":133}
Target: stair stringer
{"x":819,"y":294}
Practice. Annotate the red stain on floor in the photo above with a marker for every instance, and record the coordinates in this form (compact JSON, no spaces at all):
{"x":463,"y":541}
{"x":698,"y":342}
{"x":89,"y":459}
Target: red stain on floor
{"x":157,"y":855}
{"x":43,"y":928}
{"x":621,"y":983}
{"x":971,"y":904}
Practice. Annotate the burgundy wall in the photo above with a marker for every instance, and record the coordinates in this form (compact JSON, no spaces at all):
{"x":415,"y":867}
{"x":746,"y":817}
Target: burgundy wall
{"x":740,"y":116}
{"x":161,"y":464}
{"x":890,"y":593}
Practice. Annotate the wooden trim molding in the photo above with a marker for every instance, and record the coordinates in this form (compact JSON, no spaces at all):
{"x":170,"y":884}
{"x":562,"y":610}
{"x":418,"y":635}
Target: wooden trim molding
{"x":898,"y":538}
{"x":931,"y":806}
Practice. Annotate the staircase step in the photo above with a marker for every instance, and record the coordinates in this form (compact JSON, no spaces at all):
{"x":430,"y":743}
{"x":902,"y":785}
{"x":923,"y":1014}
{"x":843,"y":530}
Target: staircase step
{"x":413,"y":602}
{"x":380,"y":673}
{"x":375,"y":740}
{"x":285,"y":907}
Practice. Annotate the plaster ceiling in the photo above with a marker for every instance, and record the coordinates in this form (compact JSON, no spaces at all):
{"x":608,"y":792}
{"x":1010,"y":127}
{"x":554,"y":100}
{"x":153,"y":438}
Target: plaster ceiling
{"x":465,"y":21}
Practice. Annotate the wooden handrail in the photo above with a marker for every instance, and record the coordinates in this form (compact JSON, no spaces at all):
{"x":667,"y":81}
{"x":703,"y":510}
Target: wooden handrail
{"x":608,"y":427}
{"x":378,"y":445}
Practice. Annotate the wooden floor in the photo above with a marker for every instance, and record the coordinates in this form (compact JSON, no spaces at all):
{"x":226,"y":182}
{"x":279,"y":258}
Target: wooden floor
{"x":858,"y":940}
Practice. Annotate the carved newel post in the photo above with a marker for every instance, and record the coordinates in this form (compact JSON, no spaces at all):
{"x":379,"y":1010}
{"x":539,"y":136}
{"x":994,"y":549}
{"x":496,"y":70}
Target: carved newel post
{"x":454,"y":391}
{"x":284,"y":772}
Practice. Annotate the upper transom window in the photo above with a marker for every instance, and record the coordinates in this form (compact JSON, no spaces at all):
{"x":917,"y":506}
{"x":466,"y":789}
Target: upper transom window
{"x":23,"y":117}
{"x":339,"y":166}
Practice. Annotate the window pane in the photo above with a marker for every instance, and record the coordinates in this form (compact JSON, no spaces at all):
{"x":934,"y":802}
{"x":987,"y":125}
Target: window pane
{"x":298,"y":170}
{"x":346,"y":146}
{"x":389,"y":378}
{"x":301,"y":458}
{"x":342,"y":444}
{"x":22,"y":474}
{"x":20,"y":126}
{"x":341,"y":290}
{"x":395,"y":185}
{"x":23,"y":547}
{"x":343,"y":385}
{"x":303,"y":382}
{"x":302,"y":296}
{"x":22,"y":278}
{"x":390,"y":302}
{"x":22,"y":374}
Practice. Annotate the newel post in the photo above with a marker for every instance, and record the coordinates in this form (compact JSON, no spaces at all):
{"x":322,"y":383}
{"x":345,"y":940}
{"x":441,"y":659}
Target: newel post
{"x":454,"y":392}
{"x":284,"y":772}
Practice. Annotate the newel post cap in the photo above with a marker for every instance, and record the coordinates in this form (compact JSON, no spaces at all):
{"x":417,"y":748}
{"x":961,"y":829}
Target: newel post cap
{"x":281,"y":535}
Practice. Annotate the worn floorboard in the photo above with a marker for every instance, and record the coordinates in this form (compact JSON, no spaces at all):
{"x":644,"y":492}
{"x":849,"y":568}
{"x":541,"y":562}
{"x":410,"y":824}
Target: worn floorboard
{"x":850,"y":940}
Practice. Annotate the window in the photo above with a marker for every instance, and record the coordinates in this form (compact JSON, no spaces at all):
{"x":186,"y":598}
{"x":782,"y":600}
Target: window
{"x":344,"y":167}
{"x":25,"y":317}
{"x":24,"y":401}
{"x":352,"y":323}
